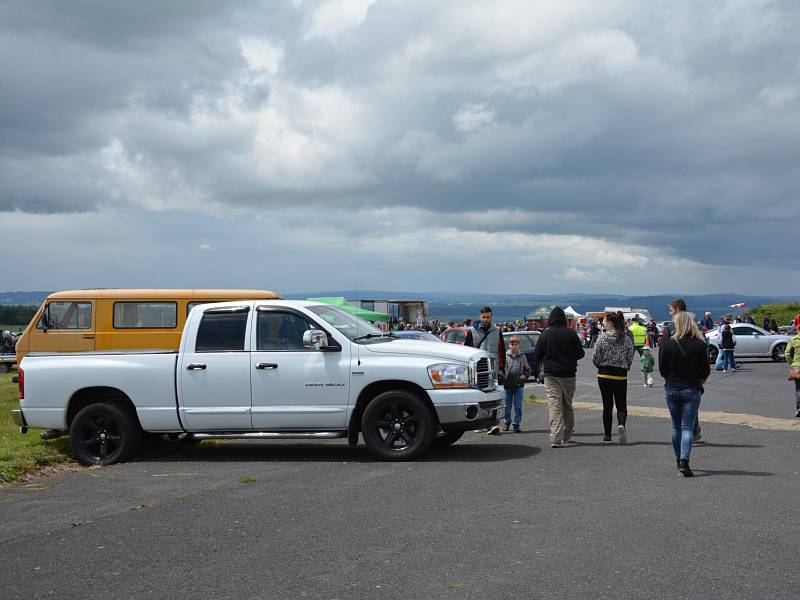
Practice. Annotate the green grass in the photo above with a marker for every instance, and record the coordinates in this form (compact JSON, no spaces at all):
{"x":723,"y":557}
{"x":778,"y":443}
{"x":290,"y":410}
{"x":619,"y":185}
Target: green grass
{"x":20,"y":454}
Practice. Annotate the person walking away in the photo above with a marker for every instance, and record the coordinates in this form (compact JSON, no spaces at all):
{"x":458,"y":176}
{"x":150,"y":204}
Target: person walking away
{"x":726,"y":345}
{"x":558,"y":351}
{"x":647,"y":361}
{"x":613,"y":356}
{"x":683,"y":363}
{"x":674,"y":307}
{"x":639,"y":335}
{"x":517,"y":371}
{"x":792,"y":355}
{"x":487,"y":336}
{"x":707,"y":323}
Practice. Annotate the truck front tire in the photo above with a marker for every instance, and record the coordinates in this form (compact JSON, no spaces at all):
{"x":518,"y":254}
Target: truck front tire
{"x":397,"y":425}
{"x":104,"y":434}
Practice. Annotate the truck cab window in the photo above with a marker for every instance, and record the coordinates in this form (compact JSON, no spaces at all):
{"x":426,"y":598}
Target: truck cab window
{"x":280,"y":331}
{"x":222,"y":332}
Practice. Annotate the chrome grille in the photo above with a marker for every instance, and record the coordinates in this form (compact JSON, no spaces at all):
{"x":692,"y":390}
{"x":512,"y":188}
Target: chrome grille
{"x":484,"y":374}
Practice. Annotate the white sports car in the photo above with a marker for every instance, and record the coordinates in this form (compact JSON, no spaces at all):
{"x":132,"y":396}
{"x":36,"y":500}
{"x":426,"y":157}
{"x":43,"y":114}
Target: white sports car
{"x":751,"y":342}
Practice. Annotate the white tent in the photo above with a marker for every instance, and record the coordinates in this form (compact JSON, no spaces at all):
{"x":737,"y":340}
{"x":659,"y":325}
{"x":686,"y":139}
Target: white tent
{"x":572,"y":313}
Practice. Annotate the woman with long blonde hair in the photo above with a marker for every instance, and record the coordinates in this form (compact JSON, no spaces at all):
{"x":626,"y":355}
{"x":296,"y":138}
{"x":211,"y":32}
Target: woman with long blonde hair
{"x":683,"y":362}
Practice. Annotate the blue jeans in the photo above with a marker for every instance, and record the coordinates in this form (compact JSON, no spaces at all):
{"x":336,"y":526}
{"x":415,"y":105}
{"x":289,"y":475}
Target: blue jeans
{"x":683,"y":403}
{"x":728,"y":361}
{"x":514,"y":397}
{"x":718,"y":364}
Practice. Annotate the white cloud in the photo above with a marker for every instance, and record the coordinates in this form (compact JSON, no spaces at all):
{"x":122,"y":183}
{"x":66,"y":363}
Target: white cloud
{"x":335,"y":17}
{"x":261,"y":55}
{"x":472,"y":117}
{"x":205,"y":247}
{"x":778,"y":96}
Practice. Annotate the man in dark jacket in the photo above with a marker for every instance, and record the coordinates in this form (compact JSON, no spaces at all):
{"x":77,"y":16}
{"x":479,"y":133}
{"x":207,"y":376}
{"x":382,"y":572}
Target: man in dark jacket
{"x":558,"y":351}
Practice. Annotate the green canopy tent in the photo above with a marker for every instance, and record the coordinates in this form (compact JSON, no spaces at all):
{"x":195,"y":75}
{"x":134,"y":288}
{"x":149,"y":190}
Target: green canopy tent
{"x":363,"y":313}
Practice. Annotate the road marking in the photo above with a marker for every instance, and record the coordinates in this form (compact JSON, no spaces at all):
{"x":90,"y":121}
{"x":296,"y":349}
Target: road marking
{"x":712,"y":416}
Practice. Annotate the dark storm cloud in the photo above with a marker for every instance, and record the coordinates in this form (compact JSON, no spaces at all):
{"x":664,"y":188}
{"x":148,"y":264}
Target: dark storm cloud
{"x":673,"y":127}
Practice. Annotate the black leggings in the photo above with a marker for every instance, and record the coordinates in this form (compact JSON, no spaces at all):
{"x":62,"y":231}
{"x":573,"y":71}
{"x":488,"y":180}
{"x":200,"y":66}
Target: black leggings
{"x":613,"y":391}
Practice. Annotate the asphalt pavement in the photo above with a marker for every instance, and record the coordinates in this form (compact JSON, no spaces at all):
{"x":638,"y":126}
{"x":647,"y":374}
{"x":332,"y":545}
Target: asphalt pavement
{"x":491,"y":517}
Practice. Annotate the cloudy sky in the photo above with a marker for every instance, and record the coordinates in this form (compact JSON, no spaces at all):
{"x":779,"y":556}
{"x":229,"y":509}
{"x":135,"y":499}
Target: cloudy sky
{"x":515,"y":146}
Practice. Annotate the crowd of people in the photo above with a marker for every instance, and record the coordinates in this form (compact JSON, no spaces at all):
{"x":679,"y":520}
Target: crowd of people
{"x":682,"y":362}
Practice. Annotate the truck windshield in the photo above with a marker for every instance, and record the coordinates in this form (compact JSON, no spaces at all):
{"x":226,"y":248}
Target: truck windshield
{"x":354,"y":328}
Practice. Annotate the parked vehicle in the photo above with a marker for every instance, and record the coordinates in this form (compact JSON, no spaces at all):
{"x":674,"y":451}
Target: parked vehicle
{"x":751,"y":342}
{"x":264,"y":369}
{"x":117,"y":319}
{"x":411,"y":334}
{"x":455,"y":335}
{"x":8,"y":342}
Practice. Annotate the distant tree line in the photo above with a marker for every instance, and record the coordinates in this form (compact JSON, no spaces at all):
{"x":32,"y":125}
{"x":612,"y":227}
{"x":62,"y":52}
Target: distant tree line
{"x":782,"y":313}
{"x":17,"y":314}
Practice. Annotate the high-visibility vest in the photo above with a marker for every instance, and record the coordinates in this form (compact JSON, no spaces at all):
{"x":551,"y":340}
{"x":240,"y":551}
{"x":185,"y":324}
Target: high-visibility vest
{"x":639,"y":334}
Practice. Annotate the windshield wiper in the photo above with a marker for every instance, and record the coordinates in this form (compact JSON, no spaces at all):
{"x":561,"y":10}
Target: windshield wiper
{"x":374,"y":335}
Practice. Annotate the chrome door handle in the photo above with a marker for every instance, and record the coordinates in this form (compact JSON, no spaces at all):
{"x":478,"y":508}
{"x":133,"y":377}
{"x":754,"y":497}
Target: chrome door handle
{"x":266,"y":366}
{"x":195,"y":366}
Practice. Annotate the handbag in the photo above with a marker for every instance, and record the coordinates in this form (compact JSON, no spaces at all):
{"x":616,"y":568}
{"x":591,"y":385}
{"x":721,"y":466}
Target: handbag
{"x":794,"y":373}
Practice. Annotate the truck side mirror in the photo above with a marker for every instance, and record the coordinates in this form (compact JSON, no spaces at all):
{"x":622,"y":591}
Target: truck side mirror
{"x":315,"y":338}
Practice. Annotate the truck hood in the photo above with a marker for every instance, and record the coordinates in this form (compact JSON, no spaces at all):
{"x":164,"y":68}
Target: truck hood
{"x":437,"y":350}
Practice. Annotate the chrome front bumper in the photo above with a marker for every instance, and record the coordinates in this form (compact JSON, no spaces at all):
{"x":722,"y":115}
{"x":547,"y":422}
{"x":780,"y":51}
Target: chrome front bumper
{"x":463,"y":409}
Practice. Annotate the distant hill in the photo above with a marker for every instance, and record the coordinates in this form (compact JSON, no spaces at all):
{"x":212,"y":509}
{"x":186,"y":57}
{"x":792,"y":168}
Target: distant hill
{"x":450,"y":306}
{"x":23,"y":298}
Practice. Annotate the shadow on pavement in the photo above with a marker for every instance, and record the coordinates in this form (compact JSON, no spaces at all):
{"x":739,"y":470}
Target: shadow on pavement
{"x":708,"y":473}
{"x":463,"y":451}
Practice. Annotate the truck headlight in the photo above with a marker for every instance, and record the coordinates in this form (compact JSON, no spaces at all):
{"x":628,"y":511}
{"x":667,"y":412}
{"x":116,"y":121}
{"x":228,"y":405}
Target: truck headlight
{"x":449,"y":376}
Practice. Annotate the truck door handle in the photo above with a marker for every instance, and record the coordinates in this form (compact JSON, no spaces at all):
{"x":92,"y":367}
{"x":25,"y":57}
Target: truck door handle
{"x":193,"y":366}
{"x":88,"y":337}
{"x":266,"y":366}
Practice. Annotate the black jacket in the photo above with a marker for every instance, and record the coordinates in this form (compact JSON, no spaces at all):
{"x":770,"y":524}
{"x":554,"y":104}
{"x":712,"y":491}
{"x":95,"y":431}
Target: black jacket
{"x":727,"y":341}
{"x":691,"y":370}
{"x":559,"y":348}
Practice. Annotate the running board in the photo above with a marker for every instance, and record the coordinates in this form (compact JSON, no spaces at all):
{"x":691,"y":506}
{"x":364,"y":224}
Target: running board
{"x":269,"y":435}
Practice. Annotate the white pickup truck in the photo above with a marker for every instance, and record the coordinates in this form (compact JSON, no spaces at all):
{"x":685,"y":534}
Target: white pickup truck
{"x":263,"y":369}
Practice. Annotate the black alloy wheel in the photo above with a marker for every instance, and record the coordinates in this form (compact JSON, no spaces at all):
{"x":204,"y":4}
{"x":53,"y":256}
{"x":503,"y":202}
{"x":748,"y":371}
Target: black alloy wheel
{"x":778,"y":353}
{"x":397,"y":425}
{"x":104,"y":434}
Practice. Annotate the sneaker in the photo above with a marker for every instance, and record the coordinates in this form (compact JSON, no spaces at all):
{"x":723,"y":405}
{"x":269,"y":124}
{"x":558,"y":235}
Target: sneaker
{"x":797,"y":414}
{"x":623,"y":437}
{"x":517,"y":429}
{"x":493,"y":430}
{"x":606,"y":438}
{"x":506,"y":426}
{"x":557,"y":445}
{"x":644,"y":385}
{"x":697,"y":437}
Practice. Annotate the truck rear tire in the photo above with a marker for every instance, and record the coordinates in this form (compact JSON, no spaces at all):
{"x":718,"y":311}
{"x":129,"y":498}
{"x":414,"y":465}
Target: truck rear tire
{"x":104,"y":434}
{"x":397,"y":425}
